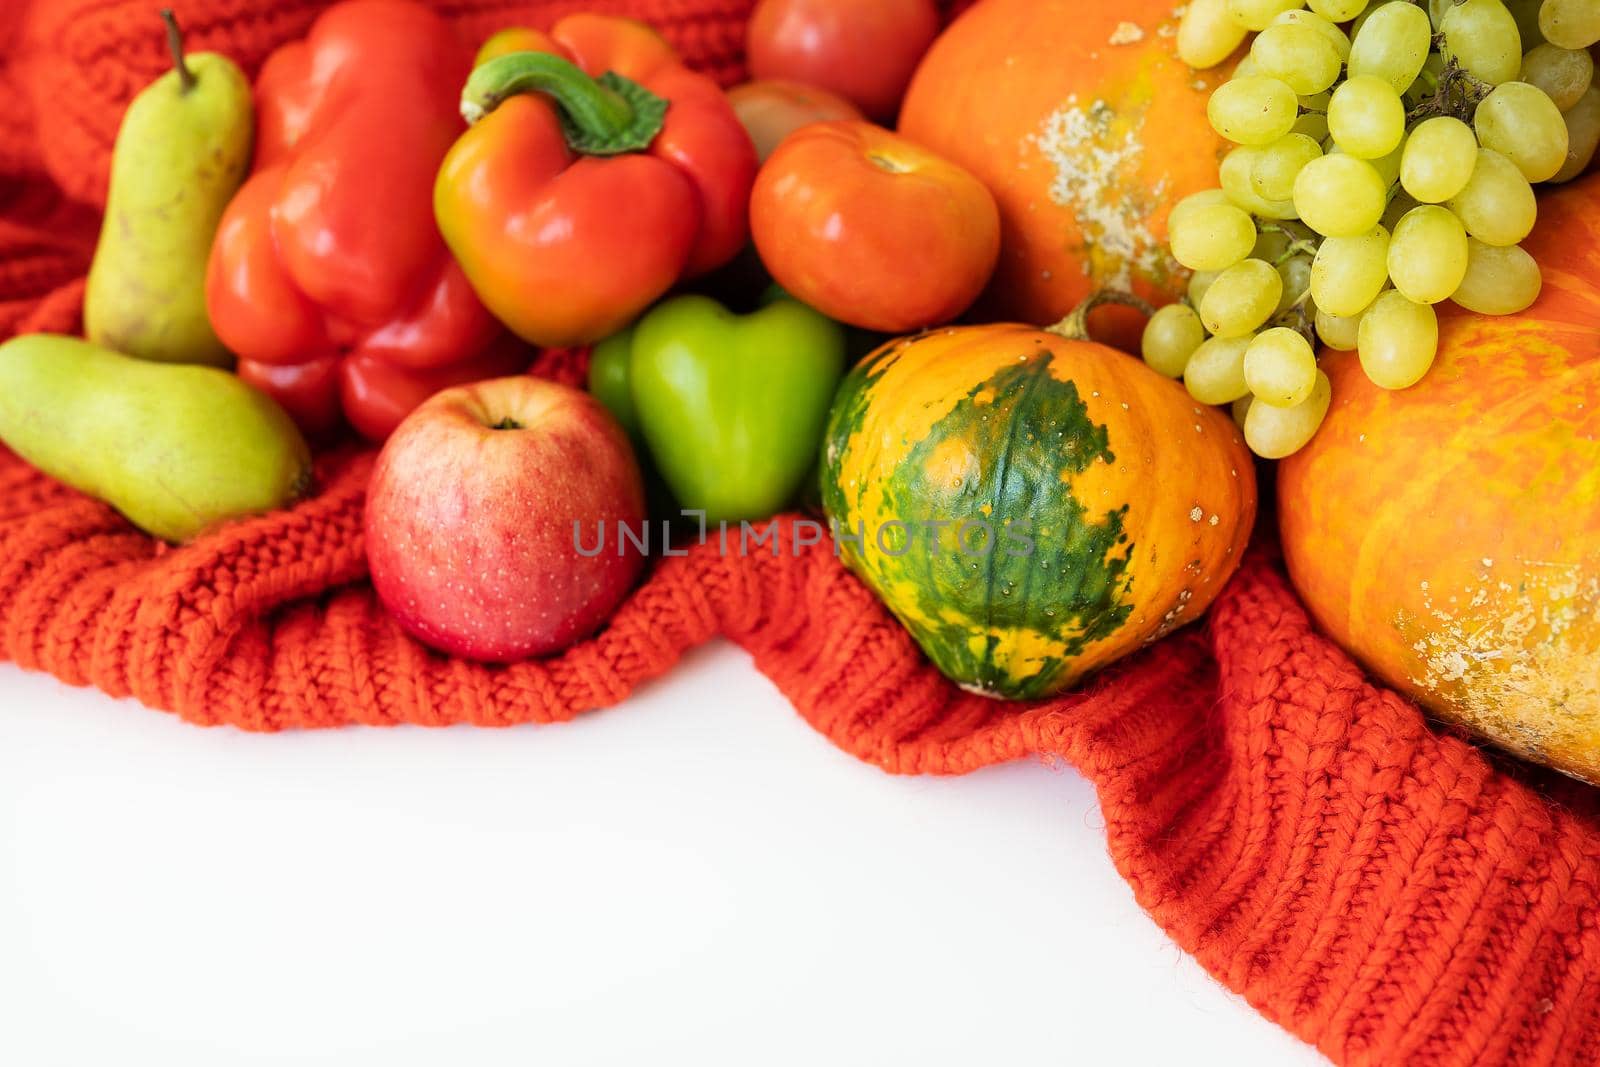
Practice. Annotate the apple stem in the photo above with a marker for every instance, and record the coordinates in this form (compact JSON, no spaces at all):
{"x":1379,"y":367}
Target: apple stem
{"x":507,"y":423}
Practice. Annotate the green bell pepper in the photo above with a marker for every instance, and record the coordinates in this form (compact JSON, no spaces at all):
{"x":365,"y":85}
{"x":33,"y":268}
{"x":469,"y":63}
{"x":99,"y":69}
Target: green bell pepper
{"x":731,"y":407}
{"x":610,"y":381}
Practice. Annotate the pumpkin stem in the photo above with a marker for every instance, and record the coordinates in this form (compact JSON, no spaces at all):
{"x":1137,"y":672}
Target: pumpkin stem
{"x":1075,"y":327}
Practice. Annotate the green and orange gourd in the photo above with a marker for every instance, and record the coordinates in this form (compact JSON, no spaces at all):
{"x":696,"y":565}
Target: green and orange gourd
{"x":1030,"y":504}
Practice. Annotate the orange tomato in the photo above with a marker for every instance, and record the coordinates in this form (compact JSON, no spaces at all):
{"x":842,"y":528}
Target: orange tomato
{"x":873,"y":230}
{"x":772,"y":110}
{"x":864,"y":50}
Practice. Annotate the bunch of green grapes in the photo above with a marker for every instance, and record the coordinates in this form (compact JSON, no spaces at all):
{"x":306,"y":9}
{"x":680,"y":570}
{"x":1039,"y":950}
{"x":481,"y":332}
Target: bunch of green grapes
{"x":1385,"y":159}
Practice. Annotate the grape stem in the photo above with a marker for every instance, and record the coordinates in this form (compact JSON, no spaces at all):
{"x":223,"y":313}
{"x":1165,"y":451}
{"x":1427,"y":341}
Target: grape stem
{"x":1300,"y":241}
{"x":1296,"y":318}
{"x":1458,"y":96}
{"x":1075,"y":327}
{"x":1307,"y":247}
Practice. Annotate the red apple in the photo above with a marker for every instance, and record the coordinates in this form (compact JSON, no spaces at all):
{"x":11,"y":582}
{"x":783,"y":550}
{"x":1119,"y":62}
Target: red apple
{"x":471,"y":512}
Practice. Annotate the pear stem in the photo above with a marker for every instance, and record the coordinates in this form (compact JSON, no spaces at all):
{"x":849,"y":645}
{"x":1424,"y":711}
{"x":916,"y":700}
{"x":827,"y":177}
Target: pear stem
{"x":186,"y":78}
{"x":1075,"y":327}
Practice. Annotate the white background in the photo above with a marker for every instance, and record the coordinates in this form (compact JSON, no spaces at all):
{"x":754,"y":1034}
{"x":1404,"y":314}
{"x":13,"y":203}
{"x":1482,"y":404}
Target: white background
{"x":695,"y":877}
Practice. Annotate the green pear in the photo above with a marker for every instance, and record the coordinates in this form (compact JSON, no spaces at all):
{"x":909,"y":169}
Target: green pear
{"x":181,"y":154}
{"x":177,"y":448}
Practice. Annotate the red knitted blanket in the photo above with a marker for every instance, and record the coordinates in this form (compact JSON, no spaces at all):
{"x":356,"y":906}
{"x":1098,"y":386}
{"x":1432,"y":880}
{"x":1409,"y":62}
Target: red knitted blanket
{"x":1387,"y":892}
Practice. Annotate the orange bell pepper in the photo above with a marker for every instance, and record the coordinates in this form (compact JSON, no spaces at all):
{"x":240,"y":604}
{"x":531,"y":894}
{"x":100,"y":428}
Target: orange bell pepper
{"x":598,"y":172}
{"x":327,"y":276}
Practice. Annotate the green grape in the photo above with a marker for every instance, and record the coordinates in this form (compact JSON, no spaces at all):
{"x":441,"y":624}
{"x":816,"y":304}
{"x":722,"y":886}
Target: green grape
{"x":1349,"y":272}
{"x":1524,"y":125}
{"x":1278,"y":163}
{"x":1215,"y":374}
{"x":1240,"y":409}
{"x":1391,"y":45}
{"x":1526,"y":13}
{"x":1204,"y":198}
{"x":1199,"y":282}
{"x":1240,"y":299}
{"x":1296,"y":274}
{"x":1438,"y":159}
{"x":1245,"y":68}
{"x":1299,"y":56}
{"x":1273,"y":432}
{"x":1258,"y":14}
{"x":1499,"y":281}
{"x":1483,"y":38}
{"x":1212,"y":237}
{"x":1397,"y":209}
{"x":1570,"y":23}
{"x":1317,"y":101}
{"x":1236,"y":175}
{"x":1497,"y":204}
{"x":1208,"y":34}
{"x":1583,"y":134}
{"x":1271,"y":245}
{"x":1398,"y":340}
{"x":1427,"y":83}
{"x":1340,"y":196}
{"x":1339,"y":10}
{"x":1338,"y":332}
{"x":1366,"y":117}
{"x":1388,"y":166}
{"x":1334,"y":35}
{"x":1562,"y":73}
{"x":1253,"y":110}
{"x":1313,"y":123}
{"x":1428,"y":254}
{"x":1170,"y":338}
{"x":1280,"y":368}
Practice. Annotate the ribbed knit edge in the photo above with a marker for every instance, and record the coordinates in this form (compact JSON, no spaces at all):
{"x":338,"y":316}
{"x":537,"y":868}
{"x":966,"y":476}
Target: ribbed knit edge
{"x":1377,"y":888}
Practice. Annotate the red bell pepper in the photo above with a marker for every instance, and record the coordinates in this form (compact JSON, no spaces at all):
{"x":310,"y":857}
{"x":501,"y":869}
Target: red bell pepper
{"x":599,"y":172}
{"x":328,"y":276}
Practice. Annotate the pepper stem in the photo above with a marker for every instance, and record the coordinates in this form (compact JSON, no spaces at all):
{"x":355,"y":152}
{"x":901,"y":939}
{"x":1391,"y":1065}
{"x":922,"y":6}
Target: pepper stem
{"x":604,"y":116}
{"x":1075,"y":327}
{"x":186,"y":78}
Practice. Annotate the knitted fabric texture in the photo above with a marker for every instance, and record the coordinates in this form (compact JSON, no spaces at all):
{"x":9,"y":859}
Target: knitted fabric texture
{"x":1390,"y":894}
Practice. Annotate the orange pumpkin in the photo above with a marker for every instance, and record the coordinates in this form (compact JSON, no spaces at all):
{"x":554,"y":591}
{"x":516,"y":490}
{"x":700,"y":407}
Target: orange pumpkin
{"x":1449,"y":535}
{"x":1087,"y":127}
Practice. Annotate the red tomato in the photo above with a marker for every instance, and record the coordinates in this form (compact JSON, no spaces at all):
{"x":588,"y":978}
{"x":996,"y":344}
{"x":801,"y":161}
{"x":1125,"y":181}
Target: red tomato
{"x":864,"y":50}
{"x":773,"y":110}
{"x":873,"y":230}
